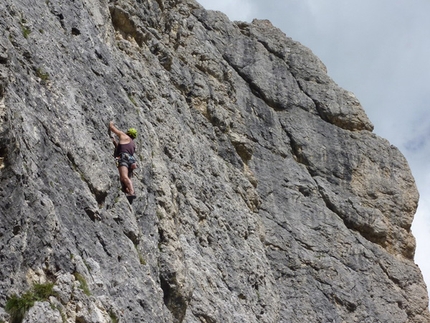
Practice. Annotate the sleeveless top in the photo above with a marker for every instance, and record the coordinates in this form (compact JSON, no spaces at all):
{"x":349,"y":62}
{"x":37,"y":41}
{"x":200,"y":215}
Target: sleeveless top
{"x":125,"y":148}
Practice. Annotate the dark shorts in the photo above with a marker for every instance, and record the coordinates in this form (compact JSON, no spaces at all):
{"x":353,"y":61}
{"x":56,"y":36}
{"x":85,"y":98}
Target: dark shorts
{"x":126,"y":160}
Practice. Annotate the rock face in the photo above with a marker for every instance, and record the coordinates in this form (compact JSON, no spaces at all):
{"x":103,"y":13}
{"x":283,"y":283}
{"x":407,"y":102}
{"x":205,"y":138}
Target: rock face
{"x":263,"y":195}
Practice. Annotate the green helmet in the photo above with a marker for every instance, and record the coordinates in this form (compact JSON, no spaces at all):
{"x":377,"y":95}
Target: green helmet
{"x":132,"y":133}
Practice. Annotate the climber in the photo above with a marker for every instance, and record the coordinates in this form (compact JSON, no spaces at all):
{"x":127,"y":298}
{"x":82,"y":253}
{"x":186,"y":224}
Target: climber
{"x":124,"y":151}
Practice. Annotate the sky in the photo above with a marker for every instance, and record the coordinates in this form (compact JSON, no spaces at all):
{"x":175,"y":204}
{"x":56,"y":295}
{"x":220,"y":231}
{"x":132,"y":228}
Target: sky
{"x":380,"y":51}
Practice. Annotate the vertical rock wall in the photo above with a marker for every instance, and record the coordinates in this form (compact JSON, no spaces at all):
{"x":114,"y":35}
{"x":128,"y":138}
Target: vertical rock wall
{"x":263,"y":195}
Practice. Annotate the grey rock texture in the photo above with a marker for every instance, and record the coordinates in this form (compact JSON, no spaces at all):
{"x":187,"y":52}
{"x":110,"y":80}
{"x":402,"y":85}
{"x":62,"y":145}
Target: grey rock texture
{"x":263,"y":195}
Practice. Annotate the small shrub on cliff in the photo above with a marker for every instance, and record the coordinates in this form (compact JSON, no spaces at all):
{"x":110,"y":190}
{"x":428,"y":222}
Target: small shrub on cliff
{"x":44,"y":76}
{"x":17,"y":306}
{"x":132,"y":100}
{"x":113,"y":317}
{"x":141,"y":259}
{"x":25,"y":31}
{"x":83,"y":283}
{"x":43,"y":291}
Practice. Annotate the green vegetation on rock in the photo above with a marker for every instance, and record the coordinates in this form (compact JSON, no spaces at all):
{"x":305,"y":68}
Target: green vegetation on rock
{"x":17,"y":306}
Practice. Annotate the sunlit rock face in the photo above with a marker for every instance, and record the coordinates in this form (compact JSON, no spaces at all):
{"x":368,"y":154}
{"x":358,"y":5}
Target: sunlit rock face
{"x":263,"y":195}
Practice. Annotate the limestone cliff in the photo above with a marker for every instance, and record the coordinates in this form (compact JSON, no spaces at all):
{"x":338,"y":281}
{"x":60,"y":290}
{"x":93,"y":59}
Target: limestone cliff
{"x":263,"y":195}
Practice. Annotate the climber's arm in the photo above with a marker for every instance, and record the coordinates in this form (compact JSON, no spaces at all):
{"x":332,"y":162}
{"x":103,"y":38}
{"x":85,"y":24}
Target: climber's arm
{"x":114,"y":129}
{"x":123,"y":138}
